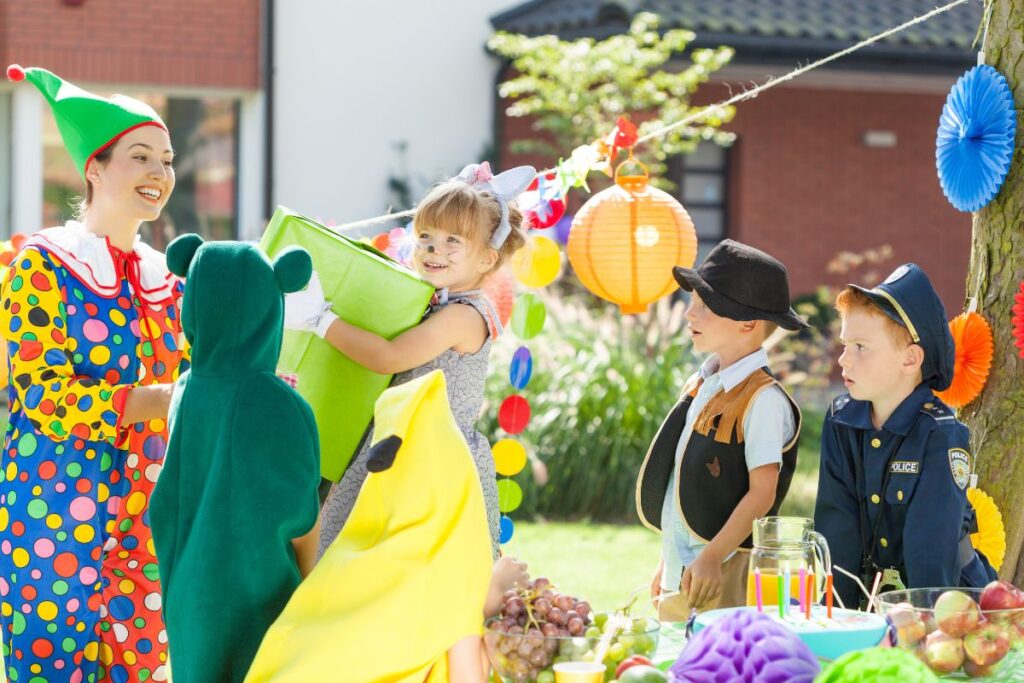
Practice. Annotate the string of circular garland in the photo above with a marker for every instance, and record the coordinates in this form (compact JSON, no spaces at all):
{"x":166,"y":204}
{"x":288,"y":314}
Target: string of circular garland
{"x":535,"y":266}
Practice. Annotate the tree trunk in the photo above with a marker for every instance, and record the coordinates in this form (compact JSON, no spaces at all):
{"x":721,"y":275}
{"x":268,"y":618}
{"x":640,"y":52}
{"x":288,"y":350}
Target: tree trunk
{"x":996,"y":418}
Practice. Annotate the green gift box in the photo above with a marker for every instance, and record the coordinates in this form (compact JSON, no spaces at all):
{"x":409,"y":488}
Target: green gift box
{"x":366,"y":289}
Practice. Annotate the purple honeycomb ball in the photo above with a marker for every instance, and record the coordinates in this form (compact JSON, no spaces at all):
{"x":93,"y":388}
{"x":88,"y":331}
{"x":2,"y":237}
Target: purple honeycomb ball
{"x":745,"y":647}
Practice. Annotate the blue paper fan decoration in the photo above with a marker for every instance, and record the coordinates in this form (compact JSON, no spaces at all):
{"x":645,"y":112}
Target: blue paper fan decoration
{"x":974,"y":145}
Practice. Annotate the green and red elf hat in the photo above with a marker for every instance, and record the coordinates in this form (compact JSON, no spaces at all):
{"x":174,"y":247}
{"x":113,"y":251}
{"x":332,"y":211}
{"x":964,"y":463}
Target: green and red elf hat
{"x":88,"y":123}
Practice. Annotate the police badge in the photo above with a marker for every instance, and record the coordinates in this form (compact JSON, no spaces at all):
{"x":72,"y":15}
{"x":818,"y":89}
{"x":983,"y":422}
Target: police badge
{"x":960,"y":466}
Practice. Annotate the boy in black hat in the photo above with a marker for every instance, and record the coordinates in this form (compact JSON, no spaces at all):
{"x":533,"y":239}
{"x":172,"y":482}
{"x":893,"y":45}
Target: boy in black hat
{"x":725,"y":454}
{"x":895,"y":461}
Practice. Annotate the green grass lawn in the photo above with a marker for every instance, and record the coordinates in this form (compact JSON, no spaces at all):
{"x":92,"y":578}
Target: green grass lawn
{"x":804,"y":489}
{"x":602,"y":563}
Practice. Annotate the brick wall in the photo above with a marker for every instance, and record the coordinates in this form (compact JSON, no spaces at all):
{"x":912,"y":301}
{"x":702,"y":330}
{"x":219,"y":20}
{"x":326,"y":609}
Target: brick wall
{"x":214,"y":43}
{"x":804,"y":187}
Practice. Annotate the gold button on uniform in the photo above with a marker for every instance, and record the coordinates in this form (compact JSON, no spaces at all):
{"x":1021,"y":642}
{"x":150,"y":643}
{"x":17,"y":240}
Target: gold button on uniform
{"x":875,"y":499}
{"x":875,"y":443}
{"x":899,"y":495}
{"x":884,"y":543}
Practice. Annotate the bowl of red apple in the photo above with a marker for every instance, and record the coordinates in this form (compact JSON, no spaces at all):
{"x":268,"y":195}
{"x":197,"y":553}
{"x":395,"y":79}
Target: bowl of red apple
{"x":969,"y":630}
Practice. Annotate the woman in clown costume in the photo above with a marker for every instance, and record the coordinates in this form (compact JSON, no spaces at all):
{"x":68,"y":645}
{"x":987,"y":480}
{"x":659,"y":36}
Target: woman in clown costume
{"x":90,"y":316}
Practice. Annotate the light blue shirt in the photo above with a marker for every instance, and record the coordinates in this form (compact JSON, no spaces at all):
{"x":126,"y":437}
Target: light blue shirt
{"x":768,"y":427}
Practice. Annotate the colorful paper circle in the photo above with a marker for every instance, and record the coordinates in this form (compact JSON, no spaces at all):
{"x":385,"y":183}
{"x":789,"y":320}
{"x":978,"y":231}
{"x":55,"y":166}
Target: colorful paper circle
{"x":521,"y":368}
{"x":542,"y":204}
{"x":545,"y":215}
{"x":506,"y":529}
{"x":972,"y":337}
{"x":509,"y":457}
{"x":990,"y":538}
{"x":500,"y":288}
{"x":974,"y":143}
{"x":537,"y":264}
{"x":510,"y":496}
{"x":514,"y":414}
{"x":1018,"y":320}
{"x":562,"y":228}
{"x":528,"y":316}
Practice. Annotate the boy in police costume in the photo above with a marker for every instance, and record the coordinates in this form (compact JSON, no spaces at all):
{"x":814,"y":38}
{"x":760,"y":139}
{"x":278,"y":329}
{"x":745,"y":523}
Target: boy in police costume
{"x":895,"y":461}
{"x":725,"y":454}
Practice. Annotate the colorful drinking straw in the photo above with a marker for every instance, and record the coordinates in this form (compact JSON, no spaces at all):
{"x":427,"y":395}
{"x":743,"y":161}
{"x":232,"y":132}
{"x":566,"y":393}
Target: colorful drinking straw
{"x":757,"y":591}
{"x":828,"y":594}
{"x":810,"y":593}
{"x":803,"y":588}
{"x":778,"y":598}
{"x":789,"y":589}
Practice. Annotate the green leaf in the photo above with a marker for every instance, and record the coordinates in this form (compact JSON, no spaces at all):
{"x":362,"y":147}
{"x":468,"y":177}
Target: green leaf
{"x":575,"y":90}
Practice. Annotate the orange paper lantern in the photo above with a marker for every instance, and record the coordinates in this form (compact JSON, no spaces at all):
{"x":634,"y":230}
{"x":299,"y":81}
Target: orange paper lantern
{"x":625,"y":240}
{"x":974,"y":349}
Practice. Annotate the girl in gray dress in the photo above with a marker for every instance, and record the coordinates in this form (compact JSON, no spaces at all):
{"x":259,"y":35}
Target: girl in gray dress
{"x":465,"y":229}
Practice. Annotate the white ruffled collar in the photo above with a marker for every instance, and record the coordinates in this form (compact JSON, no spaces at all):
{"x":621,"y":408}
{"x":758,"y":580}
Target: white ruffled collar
{"x":89,"y":257}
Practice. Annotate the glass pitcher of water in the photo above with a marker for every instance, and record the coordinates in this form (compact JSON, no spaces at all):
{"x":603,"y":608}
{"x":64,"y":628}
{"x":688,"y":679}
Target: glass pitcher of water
{"x":787,"y":545}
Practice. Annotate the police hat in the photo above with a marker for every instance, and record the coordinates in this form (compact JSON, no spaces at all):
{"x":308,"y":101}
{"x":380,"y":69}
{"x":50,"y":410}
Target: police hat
{"x":907,"y":296}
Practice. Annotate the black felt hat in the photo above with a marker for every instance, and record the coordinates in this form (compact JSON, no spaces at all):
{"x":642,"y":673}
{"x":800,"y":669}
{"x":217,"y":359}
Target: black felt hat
{"x":740,"y":282}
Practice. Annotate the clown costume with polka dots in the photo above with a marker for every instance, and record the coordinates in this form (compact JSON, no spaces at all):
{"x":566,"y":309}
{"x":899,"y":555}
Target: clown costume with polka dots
{"x":92,"y":332}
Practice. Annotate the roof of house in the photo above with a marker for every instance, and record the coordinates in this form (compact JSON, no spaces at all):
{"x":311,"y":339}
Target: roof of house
{"x":765,"y":29}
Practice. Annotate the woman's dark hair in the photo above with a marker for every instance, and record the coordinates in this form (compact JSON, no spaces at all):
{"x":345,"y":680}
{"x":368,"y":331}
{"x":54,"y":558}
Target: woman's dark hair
{"x":103,"y":156}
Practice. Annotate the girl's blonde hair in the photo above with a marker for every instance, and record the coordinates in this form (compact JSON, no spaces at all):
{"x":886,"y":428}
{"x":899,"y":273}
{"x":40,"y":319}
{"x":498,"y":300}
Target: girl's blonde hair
{"x":458,"y":208}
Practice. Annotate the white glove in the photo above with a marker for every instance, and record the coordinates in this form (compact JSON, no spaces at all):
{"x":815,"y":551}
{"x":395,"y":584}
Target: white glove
{"x":307,"y":311}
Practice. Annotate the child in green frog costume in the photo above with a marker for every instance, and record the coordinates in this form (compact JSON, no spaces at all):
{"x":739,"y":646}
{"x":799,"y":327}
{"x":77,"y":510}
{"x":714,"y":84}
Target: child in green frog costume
{"x":234,"y":511}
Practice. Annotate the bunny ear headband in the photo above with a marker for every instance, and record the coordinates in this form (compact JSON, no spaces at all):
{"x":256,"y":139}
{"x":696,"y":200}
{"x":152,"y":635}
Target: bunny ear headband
{"x":504,"y":186}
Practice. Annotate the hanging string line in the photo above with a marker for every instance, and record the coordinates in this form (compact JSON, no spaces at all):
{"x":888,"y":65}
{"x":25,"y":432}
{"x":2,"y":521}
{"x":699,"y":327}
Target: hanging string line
{"x":714,"y":109}
{"x":984,"y":37}
{"x":972,"y":300}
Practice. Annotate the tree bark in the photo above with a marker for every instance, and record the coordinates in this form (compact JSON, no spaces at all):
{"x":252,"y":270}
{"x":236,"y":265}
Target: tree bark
{"x":996,"y":418}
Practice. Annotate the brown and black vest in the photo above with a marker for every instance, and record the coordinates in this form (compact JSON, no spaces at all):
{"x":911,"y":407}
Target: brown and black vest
{"x":713,"y":476}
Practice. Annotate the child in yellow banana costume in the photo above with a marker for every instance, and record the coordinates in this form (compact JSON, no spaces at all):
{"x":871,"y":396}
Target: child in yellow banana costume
{"x":399,"y":596}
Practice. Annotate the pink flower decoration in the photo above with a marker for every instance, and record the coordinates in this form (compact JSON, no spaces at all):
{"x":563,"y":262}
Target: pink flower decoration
{"x":483,"y":173}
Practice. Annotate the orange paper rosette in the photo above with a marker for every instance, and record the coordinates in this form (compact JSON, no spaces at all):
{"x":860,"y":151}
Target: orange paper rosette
{"x":973,"y":338}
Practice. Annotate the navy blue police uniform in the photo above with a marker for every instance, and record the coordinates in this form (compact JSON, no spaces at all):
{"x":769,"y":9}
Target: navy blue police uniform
{"x":894,"y":500}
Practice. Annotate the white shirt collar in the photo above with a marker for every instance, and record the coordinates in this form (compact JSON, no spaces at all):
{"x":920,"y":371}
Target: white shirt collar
{"x":87,"y":256}
{"x":735,"y":373}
